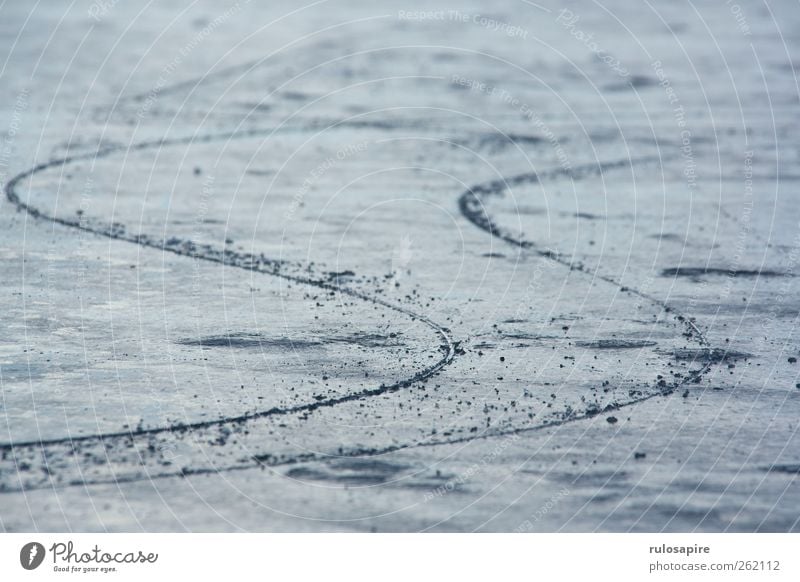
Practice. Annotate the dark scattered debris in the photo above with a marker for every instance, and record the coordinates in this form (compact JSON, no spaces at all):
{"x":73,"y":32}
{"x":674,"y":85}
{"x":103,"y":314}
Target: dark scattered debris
{"x":615,"y":344}
{"x":709,"y":355}
{"x":789,"y":469}
{"x":696,"y":272}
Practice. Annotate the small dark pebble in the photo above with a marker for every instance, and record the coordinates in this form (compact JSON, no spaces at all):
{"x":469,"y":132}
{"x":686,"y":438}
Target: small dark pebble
{"x":612,"y":420}
{"x":639,"y":455}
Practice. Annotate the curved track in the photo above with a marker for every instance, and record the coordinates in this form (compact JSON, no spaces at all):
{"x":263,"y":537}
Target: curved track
{"x":472,"y":207}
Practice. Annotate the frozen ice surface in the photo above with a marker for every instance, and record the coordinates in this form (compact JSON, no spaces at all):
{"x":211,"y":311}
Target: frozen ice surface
{"x":399,"y":267}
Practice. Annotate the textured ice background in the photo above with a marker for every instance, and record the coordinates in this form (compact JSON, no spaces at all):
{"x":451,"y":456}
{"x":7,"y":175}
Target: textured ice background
{"x":616,"y":339}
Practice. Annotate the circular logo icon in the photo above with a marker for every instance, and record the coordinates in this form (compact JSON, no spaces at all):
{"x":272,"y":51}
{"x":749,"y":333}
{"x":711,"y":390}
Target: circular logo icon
{"x":31,"y":555}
